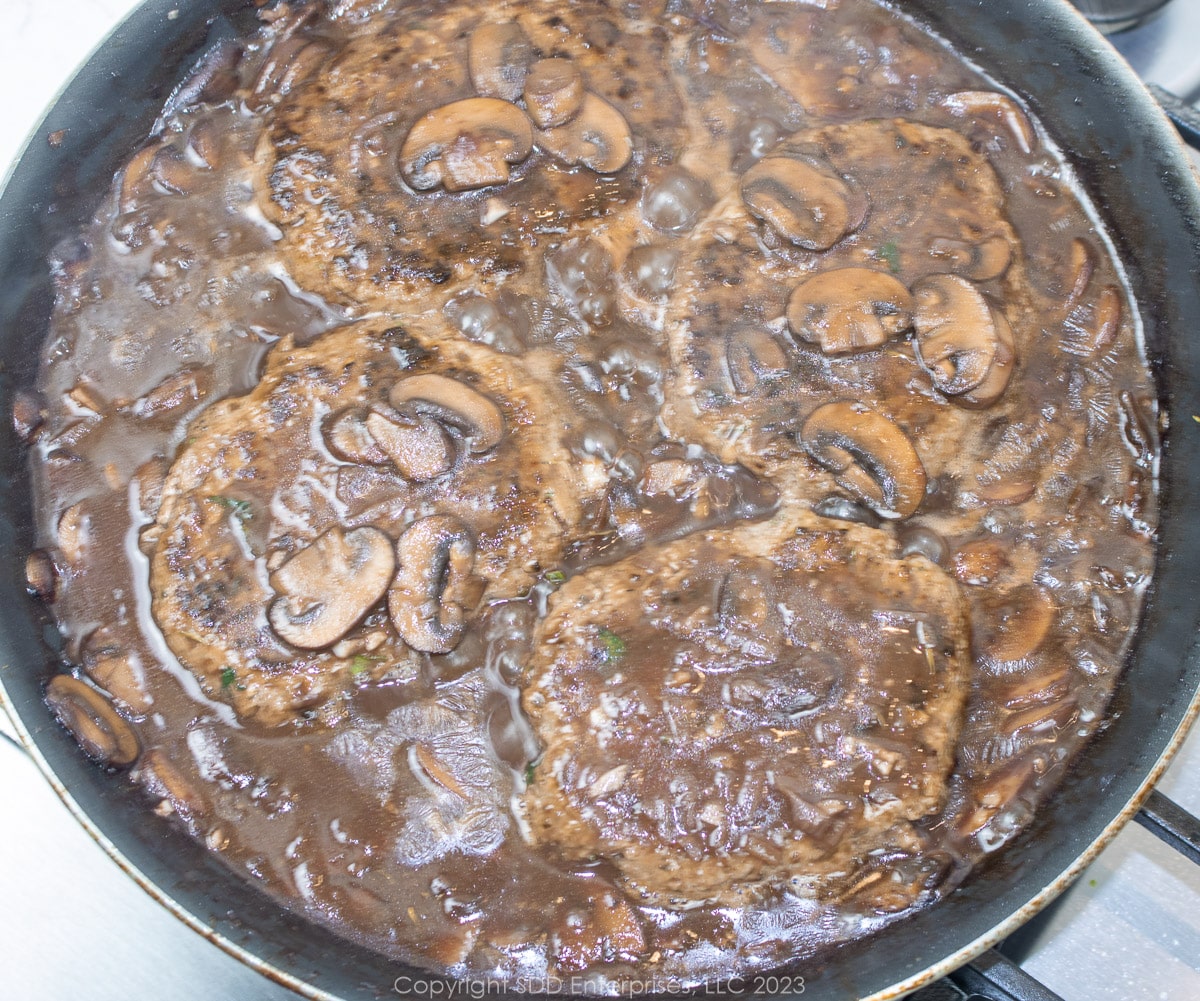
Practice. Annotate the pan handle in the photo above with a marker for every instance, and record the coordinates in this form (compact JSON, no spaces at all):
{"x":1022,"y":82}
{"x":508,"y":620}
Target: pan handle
{"x":1183,"y":116}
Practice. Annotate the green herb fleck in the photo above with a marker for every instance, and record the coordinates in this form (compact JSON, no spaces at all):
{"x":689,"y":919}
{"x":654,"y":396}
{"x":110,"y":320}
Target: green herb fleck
{"x":529,"y":770}
{"x":614,"y":646}
{"x":238,"y":508}
{"x":889,"y":253}
{"x":555,"y":576}
{"x":1093,"y":882}
{"x":228,"y":677}
{"x":361,"y":664}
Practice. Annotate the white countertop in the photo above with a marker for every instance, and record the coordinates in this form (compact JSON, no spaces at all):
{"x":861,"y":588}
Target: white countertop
{"x":74,"y":927}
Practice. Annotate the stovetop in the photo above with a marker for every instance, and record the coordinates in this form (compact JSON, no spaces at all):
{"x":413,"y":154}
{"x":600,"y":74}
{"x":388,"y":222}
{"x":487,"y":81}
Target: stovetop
{"x":74,"y":927}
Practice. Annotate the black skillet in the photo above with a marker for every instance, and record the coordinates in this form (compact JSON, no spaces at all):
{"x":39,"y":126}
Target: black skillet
{"x":1136,"y":173}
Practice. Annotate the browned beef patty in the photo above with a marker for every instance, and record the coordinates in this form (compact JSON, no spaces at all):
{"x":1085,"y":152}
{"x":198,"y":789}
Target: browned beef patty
{"x":355,"y":228}
{"x":744,"y":379}
{"x":759,"y":704}
{"x":314,"y":466}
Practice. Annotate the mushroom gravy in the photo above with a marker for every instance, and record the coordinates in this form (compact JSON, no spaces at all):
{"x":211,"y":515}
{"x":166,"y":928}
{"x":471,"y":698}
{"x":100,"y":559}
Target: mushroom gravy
{"x":596,"y":489}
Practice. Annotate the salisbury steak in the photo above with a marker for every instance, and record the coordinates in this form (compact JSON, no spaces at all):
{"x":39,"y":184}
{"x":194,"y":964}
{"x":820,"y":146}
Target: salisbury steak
{"x":805,"y":283}
{"x":763,"y":703}
{"x":412,"y":119}
{"x":376,"y":467}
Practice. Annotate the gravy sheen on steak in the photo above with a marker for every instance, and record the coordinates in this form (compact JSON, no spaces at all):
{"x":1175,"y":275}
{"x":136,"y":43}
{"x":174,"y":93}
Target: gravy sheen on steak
{"x":621,"y":490}
{"x":371,"y":433}
{"x":775,"y":700}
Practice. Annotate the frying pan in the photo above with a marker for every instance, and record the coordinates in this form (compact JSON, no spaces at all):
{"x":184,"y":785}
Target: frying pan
{"x":1133,"y":168}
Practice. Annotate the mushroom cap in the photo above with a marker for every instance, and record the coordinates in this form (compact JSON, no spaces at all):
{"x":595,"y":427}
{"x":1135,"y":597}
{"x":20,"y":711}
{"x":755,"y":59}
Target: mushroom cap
{"x":806,"y":203}
{"x":347,"y":437}
{"x":868,"y":454}
{"x":465,"y":145}
{"x":498,"y":55}
{"x":453,"y":402}
{"x":1012,"y":626}
{"x":419,"y":447}
{"x":328,"y":586}
{"x":980,"y":261}
{"x":95,"y":723}
{"x":426,"y":600}
{"x":597,"y":137}
{"x":754,"y":356}
{"x":1000,"y":108}
{"x":959,"y":340}
{"x":553,"y":92}
{"x":1003,"y":362}
{"x":849,"y":309}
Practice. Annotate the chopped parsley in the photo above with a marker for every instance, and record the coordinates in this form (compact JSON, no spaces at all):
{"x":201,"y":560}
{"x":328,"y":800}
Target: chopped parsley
{"x":228,"y":677}
{"x":238,"y":508}
{"x":889,"y":253}
{"x":612,"y":644}
{"x":529,"y":770}
{"x":555,"y":576}
{"x":361,"y":664}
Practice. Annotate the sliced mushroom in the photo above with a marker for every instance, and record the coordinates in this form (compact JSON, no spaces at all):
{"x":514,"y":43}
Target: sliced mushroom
{"x":28,"y":414}
{"x":465,"y":145}
{"x":173,"y":173}
{"x":455,"y":403}
{"x":985,"y":104}
{"x":804,"y":202}
{"x":137,"y":177}
{"x":597,"y":137}
{"x":1005,"y":491}
{"x":419,"y":446}
{"x":980,"y":562}
{"x":146,"y":486}
{"x":982,"y":261}
{"x":75,"y":532}
{"x":1098,"y":336}
{"x":996,"y":381}
{"x":966,"y":346}
{"x":605,"y":929}
{"x":754,"y":356}
{"x":849,"y":309}
{"x":868,"y":454}
{"x":553,"y":92}
{"x":435,"y":556}
{"x":844,"y":509}
{"x":498,"y":56}
{"x":41,"y":579}
{"x":329,"y":586}
{"x":1082,"y":264}
{"x":1014,"y":625}
{"x":347,"y":437}
{"x":109,"y":662}
{"x":164,"y":779}
{"x":181,"y":389}
{"x":95,"y":723}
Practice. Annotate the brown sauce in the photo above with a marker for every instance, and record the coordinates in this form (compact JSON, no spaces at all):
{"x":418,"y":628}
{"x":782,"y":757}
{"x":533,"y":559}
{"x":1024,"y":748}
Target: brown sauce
{"x":678,"y":534}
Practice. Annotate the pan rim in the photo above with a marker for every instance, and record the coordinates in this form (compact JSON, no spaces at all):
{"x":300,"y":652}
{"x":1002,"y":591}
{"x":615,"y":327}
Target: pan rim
{"x":913,"y":982}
